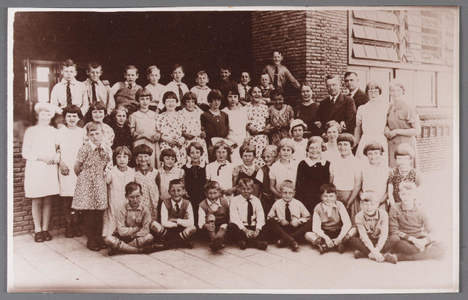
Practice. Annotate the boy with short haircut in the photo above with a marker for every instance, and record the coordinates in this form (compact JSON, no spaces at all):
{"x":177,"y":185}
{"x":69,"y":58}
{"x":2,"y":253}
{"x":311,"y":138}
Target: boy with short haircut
{"x":266,"y":87}
{"x":298,"y":127}
{"x":289,"y":218}
{"x":124,"y":92}
{"x":247,"y":217}
{"x":225,"y":84}
{"x":330,"y":222}
{"x":278,"y":73}
{"x":201,"y":90}
{"x":176,"y":85}
{"x":177,"y":221}
{"x":156,"y":89}
{"x":69,"y":91}
{"x":372,"y":225}
{"x":213,"y":215}
{"x":244,"y":88}
{"x":214,"y":121}
{"x":96,"y":89}
{"x":133,"y":222}
{"x":409,"y":222}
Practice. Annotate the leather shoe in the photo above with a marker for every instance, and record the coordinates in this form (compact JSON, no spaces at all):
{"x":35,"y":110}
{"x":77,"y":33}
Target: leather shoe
{"x":242,"y":244}
{"x":92,"y":245}
{"x":47,"y":236}
{"x":152,"y":248}
{"x":341,"y":248}
{"x":100,"y":242}
{"x":322,"y":248}
{"x":38,"y":237}
{"x":262,"y":245}
{"x":294,"y":246}
{"x":281,"y":243}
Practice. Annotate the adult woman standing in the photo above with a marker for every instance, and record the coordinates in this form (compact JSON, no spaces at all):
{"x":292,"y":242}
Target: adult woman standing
{"x":403,"y":124}
{"x":307,"y":109}
{"x":371,"y":119}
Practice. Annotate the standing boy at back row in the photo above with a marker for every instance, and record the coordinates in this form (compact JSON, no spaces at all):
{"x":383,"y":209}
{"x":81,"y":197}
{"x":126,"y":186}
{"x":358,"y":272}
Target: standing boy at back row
{"x":69,"y":91}
{"x":124,"y":92}
{"x":96,"y":89}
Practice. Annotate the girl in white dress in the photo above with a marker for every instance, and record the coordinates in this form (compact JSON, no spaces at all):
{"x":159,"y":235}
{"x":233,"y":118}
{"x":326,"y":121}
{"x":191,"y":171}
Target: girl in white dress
{"x":332,"y":131}
{"x":40,"y":149}
{"x":371,"y":119}
{"x":71,"y":138}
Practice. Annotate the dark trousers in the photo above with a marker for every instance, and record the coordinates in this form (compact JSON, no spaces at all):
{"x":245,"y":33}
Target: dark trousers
{"x":389,"y":244}
{"x":92,"y":220}
{"x":217,"y":233}
{"x":408,"y":251}
{"x":289,"y":233}
{"x":239,"y":235}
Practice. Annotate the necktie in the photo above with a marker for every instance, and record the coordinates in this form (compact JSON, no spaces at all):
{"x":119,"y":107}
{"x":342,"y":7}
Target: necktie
{"x":275,"y":80}
{"x":69,"y":97}
{"x":181,"y":94}
{"x":287,"y":213}
{"x":249,"y":212}
{"x":130,"y":86}
{"x":94,"y":92}
{"x":177,"y":208}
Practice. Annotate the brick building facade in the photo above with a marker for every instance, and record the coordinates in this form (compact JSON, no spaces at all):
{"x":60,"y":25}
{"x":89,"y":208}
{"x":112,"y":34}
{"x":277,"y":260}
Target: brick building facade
{"x":314,"y":43}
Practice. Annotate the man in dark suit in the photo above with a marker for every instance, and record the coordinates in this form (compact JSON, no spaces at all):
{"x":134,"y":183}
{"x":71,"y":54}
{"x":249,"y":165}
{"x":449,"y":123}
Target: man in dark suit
{"x":351,"y":81}
{"x":336,"y":107}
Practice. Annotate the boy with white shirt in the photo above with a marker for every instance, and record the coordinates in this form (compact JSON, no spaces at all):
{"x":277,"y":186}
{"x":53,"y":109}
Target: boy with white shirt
{"x":156,"y":89}
{"x":96,"y":89}
{"x":176,"y":85}
{"x":244,"y":88}
{"x":202,"y":90}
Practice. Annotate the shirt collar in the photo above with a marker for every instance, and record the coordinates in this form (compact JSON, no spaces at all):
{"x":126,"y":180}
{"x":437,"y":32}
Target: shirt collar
{"x":202,"y":87}
{"x":218,"y":202}
{"x":128,"y":207}
{"x":415,"y":208}
{"x":94,"y":146}
{"x":334,"y":98}
{"x":174,"y":203}
{"x":171,"y":171}
{"x":201,"y":165}
{"x":128,"y":83}
{"x":251,"y":168}
{"x":376,"y":216}
{"x":218,"y":113}
{"x":73,"y":81}
{"x":310,"y":162}
{"x":137,"y":168}
{"x":351,"y":94}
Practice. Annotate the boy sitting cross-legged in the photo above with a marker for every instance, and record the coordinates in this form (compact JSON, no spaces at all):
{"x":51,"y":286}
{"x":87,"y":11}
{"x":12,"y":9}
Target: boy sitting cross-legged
{"x":372,"y":226}
{"x":213,"y":215}
{"x":133,"y":222}
{"x":177,"y":222}
{"x":288,"y":217}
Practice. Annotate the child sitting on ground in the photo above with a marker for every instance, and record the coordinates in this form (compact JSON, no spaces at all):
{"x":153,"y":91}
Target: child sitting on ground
{"x":372,"y":225}
{"x":133,"y":222}
{"x":404,"y":155}
{"x":289,"y":218}
{"x":330,"y":222}
{"x":247,"y":217}
{"x":213,"y":215}
{"x":177,"y":222}
{"x":409,"y":222}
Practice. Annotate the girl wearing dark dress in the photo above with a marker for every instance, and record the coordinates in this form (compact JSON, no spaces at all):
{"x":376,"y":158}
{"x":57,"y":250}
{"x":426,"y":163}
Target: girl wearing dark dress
{"x":312,"y":173}
{"x":195,"y":176}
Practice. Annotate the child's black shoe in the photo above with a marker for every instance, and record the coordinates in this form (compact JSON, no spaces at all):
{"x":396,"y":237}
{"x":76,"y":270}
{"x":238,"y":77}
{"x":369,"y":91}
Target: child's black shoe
{"x":47,"y":236}
{"x":262,"y":245}
{"x":341,"y":248}
{"x":38,"y":237}
{"x":92,"y":245}
{"x":322,"y":248}
{"x":281,"y":243}
{"x":294,"y":246}
{"x":242,"y":245}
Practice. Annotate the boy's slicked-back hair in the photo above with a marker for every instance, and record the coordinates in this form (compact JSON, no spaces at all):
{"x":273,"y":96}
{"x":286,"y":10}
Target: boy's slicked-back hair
{"x":195,"y":145}
{"x":201,"y":73}
{"x":346,"y":137}
{"x":123,"y":150}
{"x":176,"y":66}
{"x":176,"y":182}
{"x":276,"y":92}
{"x":286,"y":142}
{"x":332,"y":76}
{"x":169,"y":95}
{"x":68,"y":63}
{"x":142,"y":149}
{"x":143,"y":92}
{"x":287,"y":183}
{"x":130,"y":67}
{"x":93,"y":65}
{"x":270,"y":148}
{"x":215,"y":94}
{"x":404,"y":149}
{"x":408,"y":185}
{"x":246,"y":181}
{"x":222,"y":144}
{"x":247,"y":148}
{"x":188,"y":96}
{"x":167,"y":152}
{"x":211,"y":185}
{"x":132,"y":186}
{"x":94,"y":126}
{"x":72,"y":109}
{"x":226,"y":67}
{"x":373,"y":146}
{"x":327,"y":188}
{"x":150,"y":69}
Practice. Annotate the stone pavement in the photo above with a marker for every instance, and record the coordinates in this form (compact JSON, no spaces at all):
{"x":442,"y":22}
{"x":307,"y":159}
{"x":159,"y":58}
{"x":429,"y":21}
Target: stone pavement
{"x":65,"y":265}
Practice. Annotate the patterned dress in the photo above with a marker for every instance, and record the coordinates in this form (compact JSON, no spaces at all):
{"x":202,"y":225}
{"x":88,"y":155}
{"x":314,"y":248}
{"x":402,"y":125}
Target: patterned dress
{"x":169,"y":125}
{"x":396,"y":177}
{"x":258,"y":117}
{"x":107,"y":141}
{"x":145,"y":122}
{"x":91,"y":188}
{"x":149,"y":189}
{"x":281,"y":118}
{"x":192,"y":125}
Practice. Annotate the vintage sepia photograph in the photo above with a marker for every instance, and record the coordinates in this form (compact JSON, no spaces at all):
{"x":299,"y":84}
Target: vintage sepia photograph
{"x":308,"y":150}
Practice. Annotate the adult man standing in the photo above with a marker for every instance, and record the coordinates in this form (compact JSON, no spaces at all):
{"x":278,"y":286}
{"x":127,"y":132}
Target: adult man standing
{"x":336,"y":107}
{"x":351,"y":81}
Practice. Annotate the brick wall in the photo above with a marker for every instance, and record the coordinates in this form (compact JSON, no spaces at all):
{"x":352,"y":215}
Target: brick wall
{"x":22,"y":217}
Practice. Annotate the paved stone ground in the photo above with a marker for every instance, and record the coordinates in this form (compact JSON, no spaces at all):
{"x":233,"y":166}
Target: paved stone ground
{"x":65,"y":265}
